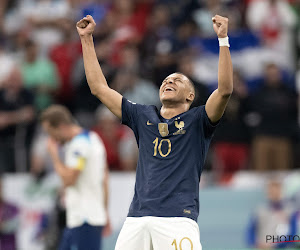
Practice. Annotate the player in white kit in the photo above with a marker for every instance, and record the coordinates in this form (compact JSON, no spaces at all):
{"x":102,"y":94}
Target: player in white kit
{"x":84,"y":174}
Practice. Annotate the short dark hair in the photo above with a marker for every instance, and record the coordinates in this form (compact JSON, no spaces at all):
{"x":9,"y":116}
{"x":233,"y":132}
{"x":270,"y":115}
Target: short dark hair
{"x":56,"y":115}
{"x":190,"y":81}
{"x":29,"y":44}
{"x":192,"y":84}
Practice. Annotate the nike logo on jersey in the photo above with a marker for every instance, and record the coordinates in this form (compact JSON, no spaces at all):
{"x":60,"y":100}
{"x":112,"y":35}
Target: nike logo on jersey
{"x":149,"y":123}
{"x":186,"y":211}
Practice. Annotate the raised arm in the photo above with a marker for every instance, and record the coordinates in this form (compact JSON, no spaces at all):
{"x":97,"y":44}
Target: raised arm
{"x":95,"y":78}
{"x":216,"y":103}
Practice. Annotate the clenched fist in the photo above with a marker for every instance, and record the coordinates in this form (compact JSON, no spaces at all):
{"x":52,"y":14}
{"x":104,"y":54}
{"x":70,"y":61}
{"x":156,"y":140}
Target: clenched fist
{"x":220,"y":25}
{"x":86,"y":26}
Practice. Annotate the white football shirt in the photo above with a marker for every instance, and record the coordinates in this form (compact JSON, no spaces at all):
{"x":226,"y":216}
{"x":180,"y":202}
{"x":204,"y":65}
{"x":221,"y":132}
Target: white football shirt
{"x":85,"y":199}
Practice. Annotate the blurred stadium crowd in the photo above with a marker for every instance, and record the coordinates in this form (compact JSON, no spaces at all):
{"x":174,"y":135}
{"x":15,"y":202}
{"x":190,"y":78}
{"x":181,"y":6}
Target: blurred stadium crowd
{"x":138,"y":43}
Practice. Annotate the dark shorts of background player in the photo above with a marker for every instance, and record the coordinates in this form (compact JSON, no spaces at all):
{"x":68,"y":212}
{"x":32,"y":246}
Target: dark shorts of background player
{"x":81,"y":238}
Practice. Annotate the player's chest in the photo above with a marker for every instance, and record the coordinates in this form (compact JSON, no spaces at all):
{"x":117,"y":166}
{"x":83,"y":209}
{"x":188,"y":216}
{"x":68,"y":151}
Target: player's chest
{"x":176,"y":127}
{"x":166,"y":139}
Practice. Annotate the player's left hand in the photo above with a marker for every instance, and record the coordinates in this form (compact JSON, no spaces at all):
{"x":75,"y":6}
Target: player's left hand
{"x":107,"y":230}
{"x":52,"y":147}
{"x":220,"y":25}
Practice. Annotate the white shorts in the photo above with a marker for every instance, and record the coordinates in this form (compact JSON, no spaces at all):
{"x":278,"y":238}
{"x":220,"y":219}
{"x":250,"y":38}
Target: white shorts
{"x":159,"y":233}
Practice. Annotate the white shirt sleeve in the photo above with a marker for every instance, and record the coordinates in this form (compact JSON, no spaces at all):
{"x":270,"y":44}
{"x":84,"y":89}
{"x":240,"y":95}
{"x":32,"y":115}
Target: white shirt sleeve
{"x":77,"y":154}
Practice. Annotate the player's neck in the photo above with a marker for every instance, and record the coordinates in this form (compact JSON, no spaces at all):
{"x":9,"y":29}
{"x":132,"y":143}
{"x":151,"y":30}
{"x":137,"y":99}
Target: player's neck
{"x":169,"y":111}
{"x":75,"y":130}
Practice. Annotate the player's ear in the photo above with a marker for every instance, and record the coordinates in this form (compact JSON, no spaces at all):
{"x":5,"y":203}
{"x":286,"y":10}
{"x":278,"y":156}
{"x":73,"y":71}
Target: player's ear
{"x":190,"y":97}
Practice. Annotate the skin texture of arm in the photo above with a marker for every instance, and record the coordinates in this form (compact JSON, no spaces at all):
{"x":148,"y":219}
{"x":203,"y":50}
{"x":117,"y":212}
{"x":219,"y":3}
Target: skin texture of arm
{"x":216,"y":103}
{"x":25,"y":114}
{"x":95,"y":78}
{"x":105,"y":187}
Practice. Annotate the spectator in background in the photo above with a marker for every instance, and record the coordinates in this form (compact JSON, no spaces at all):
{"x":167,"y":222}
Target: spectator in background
{"x":115,"y":137}
{"x":7,"y":63}
{"x":40,"y":76}
{"x":232,"y":139}
{"x":16,"y":111}
{"x":129,"y":58}
{"x":3,"y":5}
{"x":269,"y":219}
{"x":8,"y":223}
{"x":103,"y":49}
{"x":128,"y":151}
{"x":40,"y":163}
{"x":43,"y":20}
{"x":157,"y":45}
{"x":180,"y":10}
{"x":275,"y":109}
{"x":165,"y":60}
{"x":274,"y":20}
{"x":65,"y":55}
{"x":127,"y":21}
{"x":296,"y":8}
{"x":95,"y":8}
{"x":202,"y":16}
{"x":184,"y":34}
{"x":135,"y":88}
{"x":110,"y":131}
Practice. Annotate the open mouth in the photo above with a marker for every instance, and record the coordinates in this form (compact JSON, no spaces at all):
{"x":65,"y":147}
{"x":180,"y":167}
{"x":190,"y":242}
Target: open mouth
{"x":169,"y":89}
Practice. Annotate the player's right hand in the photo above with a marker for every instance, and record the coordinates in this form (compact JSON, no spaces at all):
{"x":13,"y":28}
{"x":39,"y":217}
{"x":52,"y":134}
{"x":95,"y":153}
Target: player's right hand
{"x":86,"y":26}
{"x":220,"y":25}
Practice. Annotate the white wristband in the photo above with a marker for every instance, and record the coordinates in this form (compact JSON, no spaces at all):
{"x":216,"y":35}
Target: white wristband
{"x":224,"y":41}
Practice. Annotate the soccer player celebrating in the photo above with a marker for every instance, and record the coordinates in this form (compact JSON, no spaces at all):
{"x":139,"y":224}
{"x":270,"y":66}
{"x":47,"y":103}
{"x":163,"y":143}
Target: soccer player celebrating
{"x":173,"y":143}
{"x":85,"y":176}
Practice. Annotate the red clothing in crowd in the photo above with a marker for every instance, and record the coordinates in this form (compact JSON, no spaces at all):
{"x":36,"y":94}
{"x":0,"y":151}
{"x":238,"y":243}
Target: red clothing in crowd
{"x":65,"y":56}
{"x":111,"y":143}
{"x":128,"y":29}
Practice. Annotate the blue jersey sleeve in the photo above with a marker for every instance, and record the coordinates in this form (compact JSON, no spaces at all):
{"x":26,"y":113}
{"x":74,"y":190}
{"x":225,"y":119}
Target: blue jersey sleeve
{"x":207,"y":125}
{"x":130,"y":114}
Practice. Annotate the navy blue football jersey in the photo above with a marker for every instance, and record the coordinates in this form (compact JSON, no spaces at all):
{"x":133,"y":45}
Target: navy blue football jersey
{"x":171,"y":158}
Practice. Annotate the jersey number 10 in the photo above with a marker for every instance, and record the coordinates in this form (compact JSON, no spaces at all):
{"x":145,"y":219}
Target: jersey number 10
{"x":180,"y":244}
{"x":159,"y":145}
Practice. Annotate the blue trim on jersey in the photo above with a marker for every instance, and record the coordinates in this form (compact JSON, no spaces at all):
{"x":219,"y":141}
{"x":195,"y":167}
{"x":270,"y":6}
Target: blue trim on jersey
{"x":85,"y":134}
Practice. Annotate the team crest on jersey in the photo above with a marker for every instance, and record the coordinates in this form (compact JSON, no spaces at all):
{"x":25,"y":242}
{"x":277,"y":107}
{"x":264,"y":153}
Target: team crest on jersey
{"x":163,"y":129}
{"x":180,"y":126}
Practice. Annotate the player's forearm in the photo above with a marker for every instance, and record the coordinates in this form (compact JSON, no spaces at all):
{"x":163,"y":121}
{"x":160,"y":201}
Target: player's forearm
{"x":22,"y":115}
{"x":94,"y":75}
{"x":64,"y":173}
{"x":96,"y":80}
{"x":105,"y":187}
{"x":225,"y":72}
